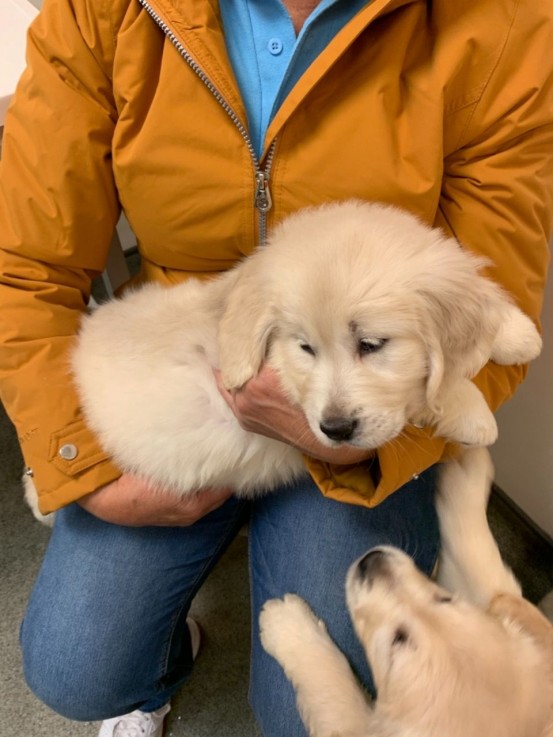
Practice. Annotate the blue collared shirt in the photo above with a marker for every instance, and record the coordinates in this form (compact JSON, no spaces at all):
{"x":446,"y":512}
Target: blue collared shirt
{"x":268,"y":58}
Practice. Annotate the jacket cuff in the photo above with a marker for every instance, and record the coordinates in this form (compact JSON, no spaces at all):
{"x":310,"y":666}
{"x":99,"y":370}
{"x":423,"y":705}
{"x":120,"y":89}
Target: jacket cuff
{"x":75,"y":465}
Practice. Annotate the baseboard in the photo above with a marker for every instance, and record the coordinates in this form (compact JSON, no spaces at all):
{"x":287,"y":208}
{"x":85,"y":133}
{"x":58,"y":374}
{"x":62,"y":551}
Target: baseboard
{"x":522,"y":519}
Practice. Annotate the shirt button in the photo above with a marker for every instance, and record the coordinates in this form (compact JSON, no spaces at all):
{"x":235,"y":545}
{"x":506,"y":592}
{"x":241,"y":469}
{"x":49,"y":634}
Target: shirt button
{"x":275,"y":46}
{"x":68,"y":452}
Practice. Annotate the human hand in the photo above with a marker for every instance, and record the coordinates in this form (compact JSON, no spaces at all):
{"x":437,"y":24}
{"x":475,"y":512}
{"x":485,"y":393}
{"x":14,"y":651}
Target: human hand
{"x":261,"y":406}
{"x":132,"y":502}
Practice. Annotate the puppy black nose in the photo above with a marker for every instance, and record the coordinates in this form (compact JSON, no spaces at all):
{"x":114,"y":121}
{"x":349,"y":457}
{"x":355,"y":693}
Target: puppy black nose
{"x":374,"y":563}
{"x":339,"y":428}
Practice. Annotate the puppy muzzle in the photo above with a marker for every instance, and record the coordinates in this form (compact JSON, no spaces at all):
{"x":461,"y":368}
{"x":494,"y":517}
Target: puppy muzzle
{"x":375,"y":564}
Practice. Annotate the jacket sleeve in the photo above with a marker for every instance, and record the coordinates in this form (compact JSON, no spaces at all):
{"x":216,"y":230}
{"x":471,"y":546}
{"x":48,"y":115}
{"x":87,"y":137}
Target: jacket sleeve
{"x":497,"y":196}
{"x":58,"y":209}
{"x":497,"y":200}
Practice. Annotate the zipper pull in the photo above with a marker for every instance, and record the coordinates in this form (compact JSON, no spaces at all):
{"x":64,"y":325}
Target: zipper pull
{"x":262,"y":201}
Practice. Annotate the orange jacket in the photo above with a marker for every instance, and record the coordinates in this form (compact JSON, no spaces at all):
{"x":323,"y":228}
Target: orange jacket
{"x":442,"y":107}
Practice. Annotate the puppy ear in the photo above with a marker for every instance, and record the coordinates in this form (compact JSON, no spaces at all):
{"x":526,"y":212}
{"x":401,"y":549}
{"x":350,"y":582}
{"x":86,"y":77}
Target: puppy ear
{"x":514,"y":609}
{"x":458,"y":332}
{"x":454,"y":405}
{"x":244,"y":332}
{"x":474,"y":325}
{"x":468,"y":320}
{"x":436,"y":369}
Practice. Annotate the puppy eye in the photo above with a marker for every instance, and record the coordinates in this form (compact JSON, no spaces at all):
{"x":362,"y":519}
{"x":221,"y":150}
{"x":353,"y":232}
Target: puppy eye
{"x":443,"y":598}
{"x":371,"y":345}
{"x":307,"y":348}
{"x":400,"y":637}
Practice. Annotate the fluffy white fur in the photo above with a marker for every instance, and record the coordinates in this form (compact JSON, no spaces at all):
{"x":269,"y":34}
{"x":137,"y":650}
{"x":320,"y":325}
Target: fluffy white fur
{"x":470,"y":562}
{"x":371,"y":318}
{"x":443,"y":666}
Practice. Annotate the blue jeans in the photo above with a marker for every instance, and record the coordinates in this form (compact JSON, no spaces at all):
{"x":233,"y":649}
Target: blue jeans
{"x":104,"y":632}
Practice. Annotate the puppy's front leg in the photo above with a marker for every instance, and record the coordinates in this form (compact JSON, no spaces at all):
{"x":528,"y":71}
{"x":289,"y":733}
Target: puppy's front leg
{"x":329,"y":697}
{"x":470,"y":561}
{"x":464,"y":415}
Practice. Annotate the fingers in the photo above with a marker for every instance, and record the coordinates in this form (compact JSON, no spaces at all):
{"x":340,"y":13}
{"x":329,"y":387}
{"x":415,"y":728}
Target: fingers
{"x":261,"y":406}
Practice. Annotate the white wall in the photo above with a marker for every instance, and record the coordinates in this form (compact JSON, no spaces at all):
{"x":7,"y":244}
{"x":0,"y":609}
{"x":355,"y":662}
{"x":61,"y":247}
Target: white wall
{"x":523,"y":455}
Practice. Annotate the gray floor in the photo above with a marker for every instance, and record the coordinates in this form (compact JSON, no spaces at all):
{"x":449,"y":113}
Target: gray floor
{"x":214,"y":703}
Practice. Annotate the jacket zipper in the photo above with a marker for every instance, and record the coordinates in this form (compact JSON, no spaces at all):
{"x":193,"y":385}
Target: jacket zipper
{"x":262,"y":198}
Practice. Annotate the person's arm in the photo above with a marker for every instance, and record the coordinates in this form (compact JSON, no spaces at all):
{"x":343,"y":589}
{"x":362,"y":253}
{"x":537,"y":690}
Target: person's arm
{"x":58,"y":210}
{"x":133,"y":502}
{"x":497,"y":194}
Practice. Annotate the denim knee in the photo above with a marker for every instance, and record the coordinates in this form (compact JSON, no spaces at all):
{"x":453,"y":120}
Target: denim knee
{"x":304,"y":543}
{"x":57,"y":677}
{"x":92,"y":684}
{"x":105,"y":628}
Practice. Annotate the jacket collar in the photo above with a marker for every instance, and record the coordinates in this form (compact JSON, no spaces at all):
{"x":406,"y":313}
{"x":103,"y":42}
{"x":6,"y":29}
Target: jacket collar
{"x":372,"y":11}
{"x":197,"y":25}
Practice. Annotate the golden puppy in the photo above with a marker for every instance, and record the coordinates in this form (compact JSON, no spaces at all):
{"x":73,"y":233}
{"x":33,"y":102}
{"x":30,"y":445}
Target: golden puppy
{"x":443,"y":666}
{"x":371,"y":319}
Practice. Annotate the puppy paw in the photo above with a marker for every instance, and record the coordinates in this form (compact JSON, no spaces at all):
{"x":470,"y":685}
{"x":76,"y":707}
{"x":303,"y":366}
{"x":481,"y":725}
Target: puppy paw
{"x":466,"y":417}
{"x":475,"y":431}
{"x":517,"y":340}
{"x":469,"y":430}
{"x":288,"y":627}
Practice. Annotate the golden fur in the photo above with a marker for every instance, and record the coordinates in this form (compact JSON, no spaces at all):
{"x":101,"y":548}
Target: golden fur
{"x":443,"y":665}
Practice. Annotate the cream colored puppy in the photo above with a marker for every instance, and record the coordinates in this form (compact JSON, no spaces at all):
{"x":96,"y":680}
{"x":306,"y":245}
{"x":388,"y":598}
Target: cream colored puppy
{"x":372,"y":320}
{"x":442,"y":666}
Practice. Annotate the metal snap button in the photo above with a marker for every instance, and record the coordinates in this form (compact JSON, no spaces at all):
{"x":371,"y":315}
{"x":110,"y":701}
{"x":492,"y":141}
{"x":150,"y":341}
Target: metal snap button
{"x":68,"y":452}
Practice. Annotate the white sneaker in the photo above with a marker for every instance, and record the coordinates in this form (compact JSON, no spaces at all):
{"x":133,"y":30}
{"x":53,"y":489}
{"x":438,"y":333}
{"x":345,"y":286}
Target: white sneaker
{"x":195,"y":636}
{"x":136,"y":724}
{"x":147,"y":724}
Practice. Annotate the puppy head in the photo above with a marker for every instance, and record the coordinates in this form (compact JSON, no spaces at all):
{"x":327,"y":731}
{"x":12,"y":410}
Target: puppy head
{"x":362,"y":310}
{"x":439,"y":663}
